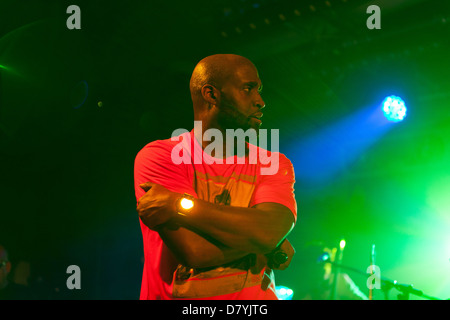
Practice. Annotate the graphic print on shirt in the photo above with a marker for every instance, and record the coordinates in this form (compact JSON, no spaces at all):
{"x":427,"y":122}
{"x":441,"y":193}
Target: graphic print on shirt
{"x":224,"y":198}
{"x":235,"y":190}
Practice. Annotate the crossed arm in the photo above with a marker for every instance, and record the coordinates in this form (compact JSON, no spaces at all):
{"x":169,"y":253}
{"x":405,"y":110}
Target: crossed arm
{"x":214,"y":234}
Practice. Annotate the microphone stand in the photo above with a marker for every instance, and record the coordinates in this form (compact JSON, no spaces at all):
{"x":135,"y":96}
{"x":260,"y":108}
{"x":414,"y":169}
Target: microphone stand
{"x":386,"y":284}
{"x":405,"y":289}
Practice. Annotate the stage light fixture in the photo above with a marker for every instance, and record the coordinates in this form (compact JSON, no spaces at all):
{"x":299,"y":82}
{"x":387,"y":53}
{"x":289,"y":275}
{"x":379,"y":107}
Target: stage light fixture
{"x":394,"y":108}
{"x":284,"y":293}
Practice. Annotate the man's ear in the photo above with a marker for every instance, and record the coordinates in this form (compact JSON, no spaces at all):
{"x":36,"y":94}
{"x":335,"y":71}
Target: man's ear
{"x":210,"y":94}
{"x":8,"y":267}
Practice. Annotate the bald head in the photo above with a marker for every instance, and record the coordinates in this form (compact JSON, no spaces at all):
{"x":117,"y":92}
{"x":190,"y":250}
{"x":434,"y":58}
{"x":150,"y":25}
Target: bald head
{"x":215,"y":70}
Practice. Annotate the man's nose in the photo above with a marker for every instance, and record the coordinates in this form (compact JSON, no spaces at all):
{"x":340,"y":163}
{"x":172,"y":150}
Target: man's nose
{"x":260,"y":102}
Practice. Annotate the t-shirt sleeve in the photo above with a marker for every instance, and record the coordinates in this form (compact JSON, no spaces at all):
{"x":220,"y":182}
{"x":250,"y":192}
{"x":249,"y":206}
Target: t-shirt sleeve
{"x":153,"y":164}
{"x":278,"y":187}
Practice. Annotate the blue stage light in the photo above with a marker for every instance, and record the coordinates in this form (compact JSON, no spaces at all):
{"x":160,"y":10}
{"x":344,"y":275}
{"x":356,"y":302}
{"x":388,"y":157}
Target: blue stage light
{"x":394,"y":108}
{"x":284,"y":293}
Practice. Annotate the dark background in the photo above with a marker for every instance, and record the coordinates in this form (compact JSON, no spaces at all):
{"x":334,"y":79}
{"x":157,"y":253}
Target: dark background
{"x":66,"y":169}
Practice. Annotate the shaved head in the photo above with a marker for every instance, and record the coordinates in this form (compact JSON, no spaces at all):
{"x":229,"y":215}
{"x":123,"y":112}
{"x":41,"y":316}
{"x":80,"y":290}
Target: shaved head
{"x":215,"y":70}
{"x":226,"y":93}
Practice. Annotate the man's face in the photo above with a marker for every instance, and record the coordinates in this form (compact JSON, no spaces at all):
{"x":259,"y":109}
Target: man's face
{"x":241,"y":101}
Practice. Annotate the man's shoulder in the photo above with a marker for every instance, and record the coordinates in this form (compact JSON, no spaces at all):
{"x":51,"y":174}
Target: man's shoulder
{"x":270,"y":154}
{"x":166,"y":144}
{"x":162,"y":147}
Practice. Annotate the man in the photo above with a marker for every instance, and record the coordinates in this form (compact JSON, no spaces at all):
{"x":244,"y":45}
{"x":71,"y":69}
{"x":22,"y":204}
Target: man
{"x":10,"y":290}
{"x":227,"y":244}
{"x":5,"y":268}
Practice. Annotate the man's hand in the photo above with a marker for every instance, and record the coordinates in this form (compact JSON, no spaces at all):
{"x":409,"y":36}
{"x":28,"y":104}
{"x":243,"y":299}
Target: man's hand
{"x":157,"y":206}
{"x":288,"y":249}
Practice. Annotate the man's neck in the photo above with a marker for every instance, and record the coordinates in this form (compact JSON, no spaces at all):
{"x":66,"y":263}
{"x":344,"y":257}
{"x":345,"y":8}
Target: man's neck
{"x":220,"y":150}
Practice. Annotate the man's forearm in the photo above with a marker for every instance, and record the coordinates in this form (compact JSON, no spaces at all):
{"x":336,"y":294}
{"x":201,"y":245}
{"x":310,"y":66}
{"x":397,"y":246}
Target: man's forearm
{"x":196,"y":251}
{"x":256,"y":230}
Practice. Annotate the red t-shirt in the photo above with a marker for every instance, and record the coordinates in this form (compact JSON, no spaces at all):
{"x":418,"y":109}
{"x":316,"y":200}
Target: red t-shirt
{"x":230,"y":183}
